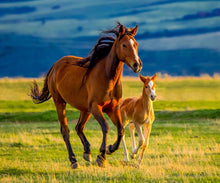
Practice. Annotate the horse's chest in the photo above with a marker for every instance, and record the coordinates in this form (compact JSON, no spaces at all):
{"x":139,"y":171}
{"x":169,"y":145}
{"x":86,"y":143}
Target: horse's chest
{"x":109,"y":101}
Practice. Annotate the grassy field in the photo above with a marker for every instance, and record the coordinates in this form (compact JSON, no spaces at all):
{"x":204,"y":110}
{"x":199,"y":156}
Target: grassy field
{"x":184,"y":143}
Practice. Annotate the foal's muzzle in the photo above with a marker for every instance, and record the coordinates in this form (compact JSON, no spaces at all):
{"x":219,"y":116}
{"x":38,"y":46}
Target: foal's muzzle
{"x":153,"y":97}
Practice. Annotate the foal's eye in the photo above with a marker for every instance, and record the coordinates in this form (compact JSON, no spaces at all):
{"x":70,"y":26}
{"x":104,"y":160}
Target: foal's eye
{"x":124,"y":45}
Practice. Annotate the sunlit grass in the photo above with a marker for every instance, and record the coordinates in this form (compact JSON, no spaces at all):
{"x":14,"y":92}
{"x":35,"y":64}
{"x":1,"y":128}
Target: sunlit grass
{"x":178,"y":152}
{"x":184,"y":142}
{"x":168,"y":89}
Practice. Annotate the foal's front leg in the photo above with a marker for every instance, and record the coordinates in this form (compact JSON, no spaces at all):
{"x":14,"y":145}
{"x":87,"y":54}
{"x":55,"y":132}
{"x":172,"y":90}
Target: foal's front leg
{"x":140,"y":140}
{"x":131,"y":129}
{"x":126,"y":158}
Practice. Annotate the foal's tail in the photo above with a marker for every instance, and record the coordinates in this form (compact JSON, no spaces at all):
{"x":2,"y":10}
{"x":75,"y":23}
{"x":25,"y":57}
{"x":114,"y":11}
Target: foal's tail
{"x":40,"y":97}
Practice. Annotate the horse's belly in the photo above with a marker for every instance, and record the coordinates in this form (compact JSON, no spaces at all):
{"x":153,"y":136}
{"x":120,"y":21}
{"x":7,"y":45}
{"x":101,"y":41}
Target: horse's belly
{"x":72,"y":90}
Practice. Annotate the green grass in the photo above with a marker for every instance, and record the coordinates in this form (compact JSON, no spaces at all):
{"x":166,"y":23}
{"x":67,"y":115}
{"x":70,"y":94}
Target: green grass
{"x":180,"y":150}
{"x":184,"y":142}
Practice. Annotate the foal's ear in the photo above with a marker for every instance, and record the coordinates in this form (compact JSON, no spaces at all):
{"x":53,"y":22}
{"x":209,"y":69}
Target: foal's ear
{"x":134,"y":30}
{"x":142,"y":78}
{"x":121,"y":30}
{"x":154,"y":77}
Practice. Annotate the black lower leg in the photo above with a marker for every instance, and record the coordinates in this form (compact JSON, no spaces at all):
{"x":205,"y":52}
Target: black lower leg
{"x":83,"y":139}
{"x":65,"y":134}
{"x":115,"y":146}
{"x":103,"y":146}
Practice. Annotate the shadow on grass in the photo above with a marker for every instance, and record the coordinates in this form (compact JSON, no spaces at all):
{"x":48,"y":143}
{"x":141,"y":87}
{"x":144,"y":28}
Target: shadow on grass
{"x":51,"y":115}
{"x":48,"y":116}
{"x":14,"y":171}
{"x":22,"y":172}
{"x":194,"y":114}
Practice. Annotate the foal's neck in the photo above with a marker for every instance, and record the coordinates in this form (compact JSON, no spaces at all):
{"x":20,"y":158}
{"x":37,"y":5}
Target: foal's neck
{"x":147,"y":103}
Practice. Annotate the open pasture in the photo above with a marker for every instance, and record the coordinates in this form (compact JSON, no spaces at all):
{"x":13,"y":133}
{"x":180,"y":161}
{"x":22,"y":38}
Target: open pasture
{"x":184,"y":142}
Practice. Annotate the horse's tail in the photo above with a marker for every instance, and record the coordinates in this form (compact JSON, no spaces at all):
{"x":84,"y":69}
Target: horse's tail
{"x":40,"y":97}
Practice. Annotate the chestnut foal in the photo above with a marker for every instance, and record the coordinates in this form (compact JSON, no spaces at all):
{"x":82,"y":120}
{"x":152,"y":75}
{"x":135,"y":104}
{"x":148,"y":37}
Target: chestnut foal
{"x":139,"y":112}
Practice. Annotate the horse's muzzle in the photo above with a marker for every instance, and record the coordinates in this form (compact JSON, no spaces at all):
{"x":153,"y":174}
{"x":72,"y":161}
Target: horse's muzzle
{"x":137,"y":67}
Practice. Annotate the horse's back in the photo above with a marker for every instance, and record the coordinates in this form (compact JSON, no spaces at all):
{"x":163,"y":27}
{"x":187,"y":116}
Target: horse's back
{"x":66,"y":81}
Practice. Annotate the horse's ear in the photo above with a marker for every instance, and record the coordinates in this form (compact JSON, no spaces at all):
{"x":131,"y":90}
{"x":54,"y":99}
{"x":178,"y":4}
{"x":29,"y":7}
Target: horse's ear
{"x":154,"y":77}
{"x":142,"y":78}
{"x":134,"y":30}
{"x":121,"y":30}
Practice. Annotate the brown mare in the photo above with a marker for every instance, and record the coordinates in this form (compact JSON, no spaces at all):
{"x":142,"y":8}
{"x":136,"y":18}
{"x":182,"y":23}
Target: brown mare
{"x":93,"y":86}
{"x":139,"y":112}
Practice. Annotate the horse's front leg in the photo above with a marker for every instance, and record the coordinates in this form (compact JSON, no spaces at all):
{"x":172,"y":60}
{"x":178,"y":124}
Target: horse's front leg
{"x":115,"y":116}
{"x":84,"y":117}
{"x":96,"y":110}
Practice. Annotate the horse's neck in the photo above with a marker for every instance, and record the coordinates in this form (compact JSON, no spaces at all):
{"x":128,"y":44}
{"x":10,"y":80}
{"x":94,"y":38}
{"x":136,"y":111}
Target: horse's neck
{"x":113,"y":66}
{"x":147,"y":104}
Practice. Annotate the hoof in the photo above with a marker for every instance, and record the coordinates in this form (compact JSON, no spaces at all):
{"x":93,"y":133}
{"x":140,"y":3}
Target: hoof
{"x":133,"y":156}
{"x":108,"y":150}
{"x":101,"y":161}
{"x":125,"y":163}
{"x":137,"y":166}
{"x":126,"y":160}
{"x":87,"y":157}
{"x":75,"y":165}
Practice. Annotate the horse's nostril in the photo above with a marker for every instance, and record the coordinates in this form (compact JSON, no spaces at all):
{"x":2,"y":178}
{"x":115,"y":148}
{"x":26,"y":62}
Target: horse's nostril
{"x":135,"y":65}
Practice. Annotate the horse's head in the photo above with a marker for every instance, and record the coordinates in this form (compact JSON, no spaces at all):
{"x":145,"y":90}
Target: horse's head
{"x":149,"y":85}
{"x":126,"y":48}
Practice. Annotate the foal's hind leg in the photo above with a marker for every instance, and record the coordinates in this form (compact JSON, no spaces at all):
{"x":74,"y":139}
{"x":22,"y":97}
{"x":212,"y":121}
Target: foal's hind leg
{"x":147,"y":130}
{"x":84,"y":117}
{"x":61,"y":112}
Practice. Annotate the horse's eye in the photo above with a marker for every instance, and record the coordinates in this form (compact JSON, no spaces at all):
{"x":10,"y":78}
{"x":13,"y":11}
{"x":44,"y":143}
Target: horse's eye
{"x":124,"y":45}
{"x":145,"y":86}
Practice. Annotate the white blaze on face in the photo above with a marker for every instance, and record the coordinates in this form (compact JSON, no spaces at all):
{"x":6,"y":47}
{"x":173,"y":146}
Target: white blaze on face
{"x":150,"y":84}
{"x":134,"y":51}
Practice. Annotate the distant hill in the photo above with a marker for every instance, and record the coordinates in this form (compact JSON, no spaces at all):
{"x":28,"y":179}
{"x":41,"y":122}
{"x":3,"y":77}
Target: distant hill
{"x":175,"y":37}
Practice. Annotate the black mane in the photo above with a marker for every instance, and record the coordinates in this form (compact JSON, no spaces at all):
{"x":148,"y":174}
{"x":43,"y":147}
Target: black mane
{"x":102,"y":47}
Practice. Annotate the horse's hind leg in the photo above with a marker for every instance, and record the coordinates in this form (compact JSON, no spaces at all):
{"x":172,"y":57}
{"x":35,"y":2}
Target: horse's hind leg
{"x":84,"y":117}
{"x":61,"y":112}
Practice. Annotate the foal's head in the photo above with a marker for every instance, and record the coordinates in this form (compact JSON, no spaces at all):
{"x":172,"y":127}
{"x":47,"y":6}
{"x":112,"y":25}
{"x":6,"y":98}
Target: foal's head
{"x":149,"y":85}
{"x":126,"y":48}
